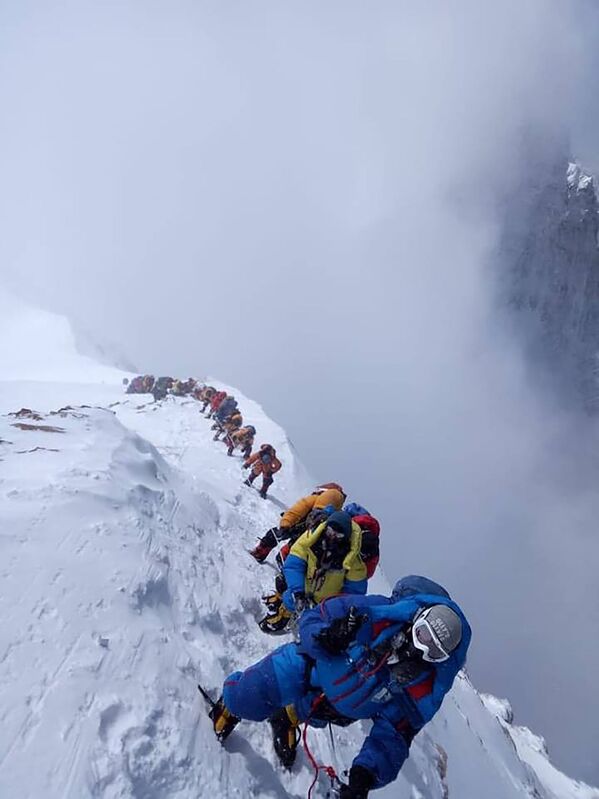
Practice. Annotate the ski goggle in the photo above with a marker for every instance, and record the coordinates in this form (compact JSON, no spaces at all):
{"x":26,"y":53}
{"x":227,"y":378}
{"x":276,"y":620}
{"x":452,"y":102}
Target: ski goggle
{"x":424,"y":639}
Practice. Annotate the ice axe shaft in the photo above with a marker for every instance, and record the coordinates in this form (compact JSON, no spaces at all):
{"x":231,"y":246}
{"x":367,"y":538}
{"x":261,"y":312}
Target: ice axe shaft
{"x":206,"y":696}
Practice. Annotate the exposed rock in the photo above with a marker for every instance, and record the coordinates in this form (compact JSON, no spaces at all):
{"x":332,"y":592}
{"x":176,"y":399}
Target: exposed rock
{"x":550,"y":248}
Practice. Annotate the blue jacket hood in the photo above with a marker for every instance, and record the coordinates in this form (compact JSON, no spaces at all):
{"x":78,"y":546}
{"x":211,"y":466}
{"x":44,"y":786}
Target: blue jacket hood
{"x":415,"y":584}
{"x":355,"y":510}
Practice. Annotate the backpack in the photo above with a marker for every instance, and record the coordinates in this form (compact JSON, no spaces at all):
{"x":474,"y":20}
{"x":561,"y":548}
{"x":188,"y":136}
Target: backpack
{"x":370,"y":542}
{"x":355,"y":510}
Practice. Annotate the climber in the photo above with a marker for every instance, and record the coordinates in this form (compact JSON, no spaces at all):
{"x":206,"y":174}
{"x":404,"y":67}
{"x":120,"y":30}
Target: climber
{"x":142,"y":384}
{"x":265,"y":463}
{"x":205,"y":396}
{"x":225,"y":409}
{"x":390,"y":660}
{"x":371,"y":530}
{"x":135,"y":386}
{"x":217,"y":399}
{"x":242,"y":439}
{"x":324,"y":561}
{"x":232,"y":423}
{"x":161,"y":388}
{"x":299,"y":518}
{"x":181,"y":388}
{"x":178,"y":388}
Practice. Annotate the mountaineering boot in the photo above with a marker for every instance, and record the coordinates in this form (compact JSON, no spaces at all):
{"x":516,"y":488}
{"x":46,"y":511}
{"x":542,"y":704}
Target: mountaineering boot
{"x":223,"y":721}
{"x":272,"y":602}
{"x":285,"y":734}
{"x":263,"y":493}
{"x":276,"y":623}
{"x":260,"y":552}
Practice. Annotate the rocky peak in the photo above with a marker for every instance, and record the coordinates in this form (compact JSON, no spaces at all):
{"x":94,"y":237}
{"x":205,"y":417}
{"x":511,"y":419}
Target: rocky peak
{"x":550,"y":265}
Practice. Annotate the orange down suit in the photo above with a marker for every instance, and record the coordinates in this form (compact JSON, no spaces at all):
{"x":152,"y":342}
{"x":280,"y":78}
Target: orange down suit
{"x":258,"y":467}
{"x":300,"y":509}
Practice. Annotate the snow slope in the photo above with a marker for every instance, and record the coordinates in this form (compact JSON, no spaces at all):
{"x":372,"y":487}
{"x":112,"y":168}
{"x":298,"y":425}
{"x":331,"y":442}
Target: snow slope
{"x":124,"y":580}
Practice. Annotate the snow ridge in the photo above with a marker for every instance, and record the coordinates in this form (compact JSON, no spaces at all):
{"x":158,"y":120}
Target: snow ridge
{"x":125,"y":580}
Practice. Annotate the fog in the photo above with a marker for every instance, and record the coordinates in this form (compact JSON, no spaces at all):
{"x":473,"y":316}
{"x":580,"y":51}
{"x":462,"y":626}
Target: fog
{"x":303,"y":199}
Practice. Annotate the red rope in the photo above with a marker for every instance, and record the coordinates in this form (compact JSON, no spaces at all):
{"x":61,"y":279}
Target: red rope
{"x":329,"y":770}
{"x":379,"y":665}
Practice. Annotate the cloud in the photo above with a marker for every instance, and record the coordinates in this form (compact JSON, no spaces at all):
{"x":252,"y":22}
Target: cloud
{"x":303,"y":199}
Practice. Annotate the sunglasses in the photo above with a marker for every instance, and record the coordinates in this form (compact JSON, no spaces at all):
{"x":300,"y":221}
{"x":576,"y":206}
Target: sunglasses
{"x":424,"y":639}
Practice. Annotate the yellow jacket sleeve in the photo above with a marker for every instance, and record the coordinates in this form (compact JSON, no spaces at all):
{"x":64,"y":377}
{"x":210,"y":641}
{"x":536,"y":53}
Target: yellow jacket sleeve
{"x":355,"y":568}
{"x":306,"y":541}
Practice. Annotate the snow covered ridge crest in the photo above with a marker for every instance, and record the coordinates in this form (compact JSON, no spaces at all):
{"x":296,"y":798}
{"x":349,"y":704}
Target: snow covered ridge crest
{"x":533,"y":751}
{"x":125,"y":580}
{"x":128,"y":528}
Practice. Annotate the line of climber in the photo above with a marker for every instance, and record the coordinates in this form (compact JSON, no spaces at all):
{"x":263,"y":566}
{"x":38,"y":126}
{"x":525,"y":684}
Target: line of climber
{"x":227,"y":422}
{"x":160,"y":387}
{"x":388,"y":659}
{"x":223,"y":409}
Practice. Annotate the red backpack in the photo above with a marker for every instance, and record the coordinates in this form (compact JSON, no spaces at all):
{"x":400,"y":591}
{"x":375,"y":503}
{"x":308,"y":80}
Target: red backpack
{"x":370,"y":542}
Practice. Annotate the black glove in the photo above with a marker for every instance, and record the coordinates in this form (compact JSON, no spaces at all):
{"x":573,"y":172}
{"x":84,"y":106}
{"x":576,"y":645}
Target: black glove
{"x":341,"y":632}
{"x":360,"y":782}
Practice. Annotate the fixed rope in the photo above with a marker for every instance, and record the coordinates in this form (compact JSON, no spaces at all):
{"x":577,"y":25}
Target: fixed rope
{"x":318,"y":767}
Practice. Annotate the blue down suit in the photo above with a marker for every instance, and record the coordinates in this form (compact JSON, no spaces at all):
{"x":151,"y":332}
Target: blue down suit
{"x":353,"y":683}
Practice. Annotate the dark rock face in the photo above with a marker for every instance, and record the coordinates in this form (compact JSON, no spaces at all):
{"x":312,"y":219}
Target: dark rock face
{"x":550,"y":267}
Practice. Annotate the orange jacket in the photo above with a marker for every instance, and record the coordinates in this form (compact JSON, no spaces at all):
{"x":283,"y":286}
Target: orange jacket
{"x":300,"y":509}
{"x":234,"y":422}
{"x":242,"y":436}
{"x":258,"y":466}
